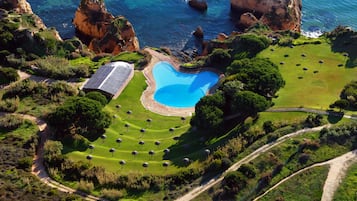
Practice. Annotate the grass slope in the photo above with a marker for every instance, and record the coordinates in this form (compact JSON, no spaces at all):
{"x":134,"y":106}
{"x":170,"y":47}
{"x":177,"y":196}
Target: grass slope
{"x":319,"y":85}
{"x":307,"y":186}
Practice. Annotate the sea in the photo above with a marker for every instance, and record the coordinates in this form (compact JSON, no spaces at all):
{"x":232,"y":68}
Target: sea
{"x":170,"y":23}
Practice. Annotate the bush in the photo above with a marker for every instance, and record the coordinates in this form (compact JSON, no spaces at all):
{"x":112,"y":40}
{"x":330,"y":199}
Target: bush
{"x":9,"y":105}
{"x":94,"y":95}
{"x":25,"y":163}
{"x":8,"y":75}
{"x":113,"y":194}
{"x":85,"y":186}
{"x":10,"y":122}
{"x":219,"y":58}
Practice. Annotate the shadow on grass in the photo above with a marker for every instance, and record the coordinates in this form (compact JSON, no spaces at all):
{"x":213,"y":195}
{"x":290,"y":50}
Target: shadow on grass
{"x":334,"y":117}
{"x":195,"y":143}
{"x":345,"y":42}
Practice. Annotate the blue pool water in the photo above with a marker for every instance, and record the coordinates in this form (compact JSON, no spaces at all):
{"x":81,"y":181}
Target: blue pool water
{"x":181,"y":90}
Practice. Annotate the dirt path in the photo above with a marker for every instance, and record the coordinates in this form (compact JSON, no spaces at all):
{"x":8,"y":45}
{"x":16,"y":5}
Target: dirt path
{"x":205,"y":186}
{"x":337,"y":170}
{"x":38,"y":168}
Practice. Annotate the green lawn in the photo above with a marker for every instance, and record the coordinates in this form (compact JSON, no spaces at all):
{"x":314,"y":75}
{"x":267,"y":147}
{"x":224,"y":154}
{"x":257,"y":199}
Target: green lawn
{"x":157,"y":130}
{"x":348,"y":188}
{"x":317,"y":86}
{"x":307,"y":186}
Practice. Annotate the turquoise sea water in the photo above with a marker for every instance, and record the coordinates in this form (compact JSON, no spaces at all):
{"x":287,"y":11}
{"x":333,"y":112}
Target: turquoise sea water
{"x":170,"y":23}
{"x":181,"y":90}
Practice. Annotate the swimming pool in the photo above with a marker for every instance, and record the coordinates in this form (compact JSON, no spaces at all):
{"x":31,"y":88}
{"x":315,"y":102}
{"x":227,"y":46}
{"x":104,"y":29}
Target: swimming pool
{"x":180,"y":90}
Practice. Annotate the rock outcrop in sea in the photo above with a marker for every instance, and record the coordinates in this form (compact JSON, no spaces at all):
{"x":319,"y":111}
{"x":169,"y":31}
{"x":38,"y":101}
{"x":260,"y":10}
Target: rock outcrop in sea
{"x":103,"y":32}
{"x":277,"y":14}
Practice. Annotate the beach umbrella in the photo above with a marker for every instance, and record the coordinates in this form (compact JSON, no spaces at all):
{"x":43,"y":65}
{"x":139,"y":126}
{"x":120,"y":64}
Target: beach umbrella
{"x":183,"y":119}
{"x":171,"y":130}
{"x":134,"y":153}
{"x":141,"y":142}
{"x":129,"y":112}
{"x":122,"y":163}
{"x":118,"y":106}
{"x":118,"y":140}
{"x":207,"y":152}
{"x":91,"y":147}
{"x":145,"y":165}
{"x":166,"y":151}
{"x":142,"y":130}
{"x":89,"y":157}
{"x":186,"y":160}
{"x":112,"y":150}
{"x":157,"y":143}
{"x":165,"y":165}
{"x":127,"y":127}
{"x":103,"y":137}
{"x":149,"y":121}
{"x":303,"y":55}
{"x":151,"y":153}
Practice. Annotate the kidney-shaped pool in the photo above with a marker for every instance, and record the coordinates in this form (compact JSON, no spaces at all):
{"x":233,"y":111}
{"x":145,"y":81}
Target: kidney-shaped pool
{"x":178,"y":89}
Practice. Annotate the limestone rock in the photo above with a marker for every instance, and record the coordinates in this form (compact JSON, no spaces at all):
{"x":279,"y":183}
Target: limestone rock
{"x":247,"y":20}
{"x":199,"y":33}
{"x":102,"y":31}
{"x":277,"y":14}
{"x":200,"y":5}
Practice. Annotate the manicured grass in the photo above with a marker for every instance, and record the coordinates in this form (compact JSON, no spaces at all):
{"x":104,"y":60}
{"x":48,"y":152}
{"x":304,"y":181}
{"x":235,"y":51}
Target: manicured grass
{"x":307,"y":186}
{"x":348,"y":187}
{"x":319,"y":84}
{"x":156,"y":130}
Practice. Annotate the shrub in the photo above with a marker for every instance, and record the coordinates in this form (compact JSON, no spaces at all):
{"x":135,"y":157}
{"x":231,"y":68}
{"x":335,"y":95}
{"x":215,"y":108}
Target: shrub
{"x":8,"y":75}
{"x":9,"y":105}
{"x":10,"y":122}
{"x":85,"y":186}
{"x":219,"y":58}
{"x":94,"y":95}
{"x":113,"y":194}
{"x":25,"y":163}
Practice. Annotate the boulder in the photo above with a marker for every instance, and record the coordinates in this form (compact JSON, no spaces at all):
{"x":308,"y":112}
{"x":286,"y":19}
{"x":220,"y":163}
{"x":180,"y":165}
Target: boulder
{"x":200,"y":5}
{"x":199,"y":33}
{"x":103,"y":32}
{"x":246,"y":20}
{"x":277,"y":14}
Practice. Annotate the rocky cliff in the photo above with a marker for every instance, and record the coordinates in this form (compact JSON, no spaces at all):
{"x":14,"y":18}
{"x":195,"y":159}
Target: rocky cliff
{"x":277,"y":14}
{"x":102,"y":31}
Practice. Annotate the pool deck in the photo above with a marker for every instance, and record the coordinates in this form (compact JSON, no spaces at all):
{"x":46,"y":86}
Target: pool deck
{"x":147,"y":98}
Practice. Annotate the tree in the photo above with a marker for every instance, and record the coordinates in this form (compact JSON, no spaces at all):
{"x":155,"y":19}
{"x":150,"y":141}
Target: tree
{"x":341,"y":104}
{"x":219,"y":58}
{"x":208,"y":112}
{"x":349,"y":93}
{"x":252,"y":43}
{"x":249,"y":103}
{"x":95,"y":95}
{"x":80,"y":115}
{"x":258,"y":75}
{"x":8,"y":75}
{"x":233,"y":182}
{"x":268,"y":127}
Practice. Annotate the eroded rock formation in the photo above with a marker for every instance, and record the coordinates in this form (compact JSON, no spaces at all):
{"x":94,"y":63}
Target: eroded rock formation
{"x":102,"y":31}
{"x":200,"y":5}
{"x":277,"y":14}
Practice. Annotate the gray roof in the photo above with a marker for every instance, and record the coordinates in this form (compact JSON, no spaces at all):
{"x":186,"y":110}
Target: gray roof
{"x":110,"y":77}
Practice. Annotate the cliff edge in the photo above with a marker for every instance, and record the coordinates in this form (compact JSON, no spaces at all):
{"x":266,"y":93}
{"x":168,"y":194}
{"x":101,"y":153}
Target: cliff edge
{"x":277,"y":14}
{"x":103,"y":32}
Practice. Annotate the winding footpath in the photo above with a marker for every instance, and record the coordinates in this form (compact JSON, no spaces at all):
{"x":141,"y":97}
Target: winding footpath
{"x":39,"y":170}
{"x":217,"y":179}
{"x":338,"y":167}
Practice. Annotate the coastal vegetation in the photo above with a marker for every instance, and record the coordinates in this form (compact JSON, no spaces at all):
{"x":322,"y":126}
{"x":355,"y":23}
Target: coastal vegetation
{"x":118,"y":149}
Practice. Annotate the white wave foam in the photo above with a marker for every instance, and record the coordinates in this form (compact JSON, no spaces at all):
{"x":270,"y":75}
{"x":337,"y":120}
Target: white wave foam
{"x":312,"y":34}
